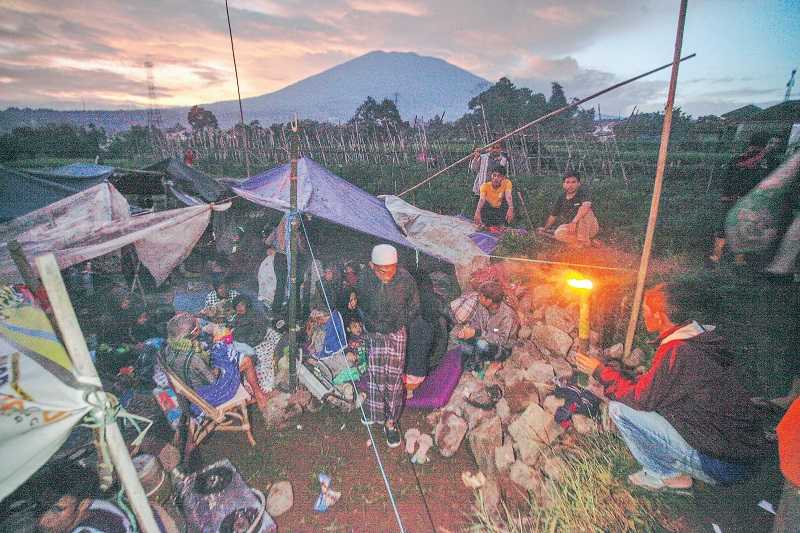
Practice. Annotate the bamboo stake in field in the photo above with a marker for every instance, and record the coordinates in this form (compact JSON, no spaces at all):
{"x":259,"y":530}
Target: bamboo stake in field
{"x":79,"y":353}
{"x":552,"y":114}
{"x":654,"y":202}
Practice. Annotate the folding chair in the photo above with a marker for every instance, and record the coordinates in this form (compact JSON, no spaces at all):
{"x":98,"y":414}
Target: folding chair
{"x":230,"y":416}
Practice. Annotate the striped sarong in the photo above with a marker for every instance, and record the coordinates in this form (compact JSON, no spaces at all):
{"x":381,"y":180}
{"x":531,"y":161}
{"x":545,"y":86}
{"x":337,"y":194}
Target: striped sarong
{"x":385,"y":390}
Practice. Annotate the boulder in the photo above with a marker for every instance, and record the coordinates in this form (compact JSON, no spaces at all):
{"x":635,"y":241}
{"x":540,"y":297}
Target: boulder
{"x":542,"y":294}
{"x":524,"y":332}
{"x":552,"y":403}
{"x":503,"y":410}
{"x":554,"y":467}
{"x":520,"y":395}
{"x":279,"y":410}
{"x":449,"y":433}
{"x":490,"y":494}
{"x":280,"y":498}
{"x":475,"y":416}
{"x":504,"y":456}
{"x":540,"y":372}
{"x":521,"y":356}
{"x":552,"y":338}
{"x":532,"y":430}
{"x":467,"y":386}
{"x":509,"y":375}
{"x":614,"y":352}
{"x":526,"y":477}
{"x":302,"y":398}
{"x":560,"y":318}
{"x":562,"y":368}
{"x":584,"y":424}
{"x":634,"y":358}
{"x":482,"y":443}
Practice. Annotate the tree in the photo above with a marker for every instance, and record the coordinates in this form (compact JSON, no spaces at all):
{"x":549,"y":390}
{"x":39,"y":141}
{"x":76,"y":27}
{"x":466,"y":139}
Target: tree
{"x":373,"y":114}
{"x":200,"y":118}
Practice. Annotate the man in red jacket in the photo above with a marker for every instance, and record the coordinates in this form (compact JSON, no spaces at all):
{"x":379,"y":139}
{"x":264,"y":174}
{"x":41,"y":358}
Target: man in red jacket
{"x":688,"y":416}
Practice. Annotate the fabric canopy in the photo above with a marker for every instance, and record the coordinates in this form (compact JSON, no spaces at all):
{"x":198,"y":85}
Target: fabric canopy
{"x":40,"y":400}
{"x":21,"y":193}
{"x":75,"y":172}
{"x":189,"y":185}
{"x":323,"y":194}
{"x":96,"y":222}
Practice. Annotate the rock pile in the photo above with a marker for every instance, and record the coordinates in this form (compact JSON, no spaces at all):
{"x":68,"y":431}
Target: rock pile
{"x":516,"y":443}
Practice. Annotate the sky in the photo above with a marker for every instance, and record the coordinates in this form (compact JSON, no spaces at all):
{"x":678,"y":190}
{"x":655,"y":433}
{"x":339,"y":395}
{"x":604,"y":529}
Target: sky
{"x":90,"y":54}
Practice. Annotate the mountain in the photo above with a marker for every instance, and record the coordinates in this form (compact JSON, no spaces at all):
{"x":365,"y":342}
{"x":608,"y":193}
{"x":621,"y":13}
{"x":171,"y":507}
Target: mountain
{"x":422,"y":86}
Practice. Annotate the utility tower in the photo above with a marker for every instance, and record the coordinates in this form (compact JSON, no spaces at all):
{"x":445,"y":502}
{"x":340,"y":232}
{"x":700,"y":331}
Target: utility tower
{"x":789,"y":85}
{"x":153,"y":113}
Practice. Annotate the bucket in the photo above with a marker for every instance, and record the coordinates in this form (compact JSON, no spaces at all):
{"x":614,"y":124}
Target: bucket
{"x":154,"y":479}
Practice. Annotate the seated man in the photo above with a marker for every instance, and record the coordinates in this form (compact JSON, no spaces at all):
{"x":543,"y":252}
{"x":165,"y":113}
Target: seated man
{"x":215,"y":377}
{"x":249,"y":326}
{"x":572,"y":214}
{"x":68,"y":506}
{"x":496,"y":204}
{"x":688,"y":416}
{"x":492,"y":326}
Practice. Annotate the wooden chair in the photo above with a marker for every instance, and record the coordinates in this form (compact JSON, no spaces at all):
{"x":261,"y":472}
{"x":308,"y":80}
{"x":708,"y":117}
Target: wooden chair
{"x":230,"y":416}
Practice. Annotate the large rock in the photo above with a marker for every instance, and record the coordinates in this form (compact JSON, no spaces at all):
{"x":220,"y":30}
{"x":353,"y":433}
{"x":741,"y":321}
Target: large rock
{"x":503,"y":410}
{"x":552,"y":338}
{"x":614,"y":352}
{"x":522,"y":356}
{"x":562,"y":368}
{"x":482,"y":443}
{"x":560,"y":318}
{"x":467,"y":386}
{"x":520,"y":395}
{"x":279,"y":410}
{"x":475,"y":416}
{"x":552,"y":403}
{"x":541,"y":295}
{"x":553,"y":467}
{"x":449,"y":433}
{"x":490,"y":494}
{"x":526,"y":477}
{"x":540,"y":372}
{"x":524,"y":332}
{"x":280,"y":498}
{"x":533,"y":430}
{"x":504,"y":456}
{"x":634,"y":358}
{"x":584,"y":424}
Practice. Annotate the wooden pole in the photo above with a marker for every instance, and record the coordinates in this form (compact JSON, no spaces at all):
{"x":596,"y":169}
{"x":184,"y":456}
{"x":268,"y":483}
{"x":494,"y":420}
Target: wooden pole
{"x":294,"y":227}
{"x":525,"y":208}
{"x":656,"y":198}
{"x":551,"y":114}
{"x":79,"y":353}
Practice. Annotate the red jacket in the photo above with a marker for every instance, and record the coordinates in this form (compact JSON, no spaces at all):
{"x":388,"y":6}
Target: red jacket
{"x":789,"y":444}
{"x":692,"y":383}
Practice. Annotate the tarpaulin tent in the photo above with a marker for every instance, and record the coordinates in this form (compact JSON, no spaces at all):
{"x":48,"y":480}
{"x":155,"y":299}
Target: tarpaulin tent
{"x":325,"y":195}
{"x":79,"y":175}
{"x":21,"y":193}
{"x":97,"y":221}
{"x":40,"y":399}
{"x":187,"y":184}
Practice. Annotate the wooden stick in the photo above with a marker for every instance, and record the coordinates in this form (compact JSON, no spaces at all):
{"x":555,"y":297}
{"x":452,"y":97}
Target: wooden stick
{"x":656,"y":198}
{"x":525,"y":208}
{"x":567,"y":107}
{"x":79,"y":353}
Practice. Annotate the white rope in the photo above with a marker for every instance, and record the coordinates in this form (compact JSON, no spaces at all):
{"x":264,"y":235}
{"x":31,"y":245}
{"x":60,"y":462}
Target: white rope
{"x":545,"y":262}
{"x":355,"y":388}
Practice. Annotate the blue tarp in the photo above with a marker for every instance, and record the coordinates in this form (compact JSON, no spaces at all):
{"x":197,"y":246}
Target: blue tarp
{"x":21,"y":193}
{"x":323,"y":194}
{"x":75,"y":172}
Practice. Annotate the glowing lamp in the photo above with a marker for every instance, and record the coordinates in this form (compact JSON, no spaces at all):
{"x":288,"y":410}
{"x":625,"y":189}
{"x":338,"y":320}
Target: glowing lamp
{"x":584,"y":287}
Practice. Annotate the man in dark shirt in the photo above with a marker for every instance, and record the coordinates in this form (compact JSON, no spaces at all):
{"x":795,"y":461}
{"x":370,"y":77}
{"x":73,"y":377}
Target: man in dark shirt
{"x":389,"y":301}
{"x":572,"y":214}
{"x":744,"y":172}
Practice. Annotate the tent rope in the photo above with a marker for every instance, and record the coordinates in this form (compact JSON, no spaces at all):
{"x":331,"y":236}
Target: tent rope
{"x":355,"y":388}
{"x":561,"y":263}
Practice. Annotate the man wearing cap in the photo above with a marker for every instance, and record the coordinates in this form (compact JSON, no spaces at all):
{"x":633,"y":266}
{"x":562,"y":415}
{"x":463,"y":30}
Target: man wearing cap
{"x":388,"y":299}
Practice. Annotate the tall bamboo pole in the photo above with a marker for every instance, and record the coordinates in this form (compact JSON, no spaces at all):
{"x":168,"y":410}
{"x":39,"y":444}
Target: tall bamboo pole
{"x":79,"y":353}
{"x":656,"y":198}
{"x":293,"y":228}
{"x":551,"y":114}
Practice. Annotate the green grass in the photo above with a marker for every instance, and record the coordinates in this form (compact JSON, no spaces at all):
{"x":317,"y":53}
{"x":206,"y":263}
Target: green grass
{"x":592,"y":496}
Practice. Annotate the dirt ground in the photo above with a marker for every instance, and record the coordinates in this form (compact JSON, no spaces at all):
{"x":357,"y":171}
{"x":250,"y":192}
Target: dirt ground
{"x":336,"y":443}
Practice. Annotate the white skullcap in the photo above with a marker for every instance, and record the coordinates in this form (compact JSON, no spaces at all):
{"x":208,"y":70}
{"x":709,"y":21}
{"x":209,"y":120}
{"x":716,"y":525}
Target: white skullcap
{"x":384,"y":254}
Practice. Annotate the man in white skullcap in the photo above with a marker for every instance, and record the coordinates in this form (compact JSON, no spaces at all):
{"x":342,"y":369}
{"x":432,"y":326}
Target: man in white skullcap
{"x":388,"y":299}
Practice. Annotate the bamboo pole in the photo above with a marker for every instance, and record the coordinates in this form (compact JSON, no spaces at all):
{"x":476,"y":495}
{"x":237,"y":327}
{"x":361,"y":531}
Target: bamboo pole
{"x":567,"y":107}
{"x":293,"y":251}
{"x":656,"y":198}
{"x":79,"y":353}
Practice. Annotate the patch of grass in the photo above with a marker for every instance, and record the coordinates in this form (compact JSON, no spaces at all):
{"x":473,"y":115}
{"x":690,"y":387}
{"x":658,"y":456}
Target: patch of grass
{"x":592,"y":496}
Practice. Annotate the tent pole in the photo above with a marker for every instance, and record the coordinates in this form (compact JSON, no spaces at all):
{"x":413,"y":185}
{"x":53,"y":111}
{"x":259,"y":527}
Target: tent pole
{"x":551,"y":114}
{"x":293,"y":288}
{"x":238,"y":94}
{"x":79,"y":353}
{"x":659,"y":179}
